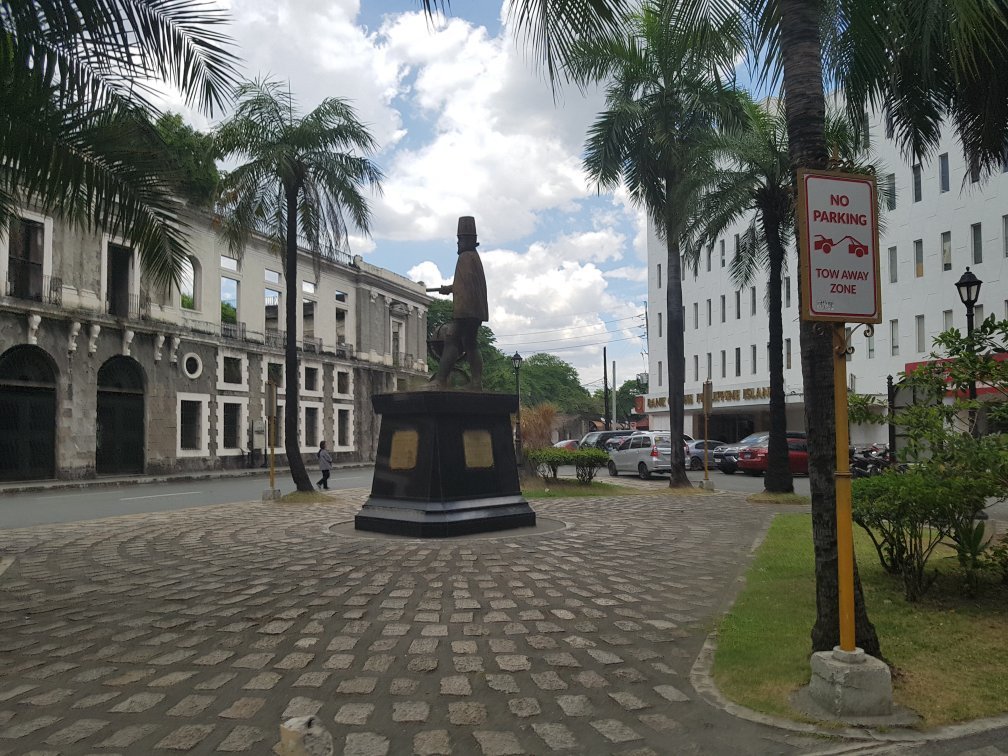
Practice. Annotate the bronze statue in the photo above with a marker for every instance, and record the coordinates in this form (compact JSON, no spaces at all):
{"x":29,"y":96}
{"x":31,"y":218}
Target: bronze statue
{"x":469,"y":310}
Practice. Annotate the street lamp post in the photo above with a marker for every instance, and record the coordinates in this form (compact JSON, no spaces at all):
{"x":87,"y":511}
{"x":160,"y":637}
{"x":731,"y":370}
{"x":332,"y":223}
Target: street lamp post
{"x":516,"y":362}
{"x":968,"y":286}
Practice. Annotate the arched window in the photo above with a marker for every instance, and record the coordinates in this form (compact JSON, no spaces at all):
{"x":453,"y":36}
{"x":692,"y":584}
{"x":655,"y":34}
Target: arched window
{"x":190,"y":284}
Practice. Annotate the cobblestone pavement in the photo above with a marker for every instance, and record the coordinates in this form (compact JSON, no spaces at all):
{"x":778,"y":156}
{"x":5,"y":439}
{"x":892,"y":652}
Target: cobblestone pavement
{"x":201,"y":630}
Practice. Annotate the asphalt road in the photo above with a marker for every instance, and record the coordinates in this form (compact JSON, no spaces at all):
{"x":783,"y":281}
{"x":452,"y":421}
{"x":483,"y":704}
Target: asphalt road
{"x":73,"y":505}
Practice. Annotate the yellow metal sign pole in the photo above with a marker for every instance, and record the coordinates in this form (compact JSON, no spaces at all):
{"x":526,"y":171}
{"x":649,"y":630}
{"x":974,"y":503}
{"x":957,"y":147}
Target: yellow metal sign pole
{"x":271,"y":388}
{"x":845,"y":534}
{"x":708,"y":396}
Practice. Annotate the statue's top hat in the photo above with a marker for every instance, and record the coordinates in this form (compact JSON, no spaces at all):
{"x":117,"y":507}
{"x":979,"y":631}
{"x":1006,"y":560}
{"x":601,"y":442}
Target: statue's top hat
{"x":467,"y":226}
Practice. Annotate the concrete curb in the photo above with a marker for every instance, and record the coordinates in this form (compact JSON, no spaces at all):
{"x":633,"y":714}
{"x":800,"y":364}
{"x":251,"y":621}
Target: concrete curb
{"x":702,"y":680}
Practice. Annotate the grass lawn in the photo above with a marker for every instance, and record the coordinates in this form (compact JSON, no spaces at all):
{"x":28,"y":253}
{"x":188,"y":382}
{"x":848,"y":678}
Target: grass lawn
{"x":948,"y":653}
{"x":779,"y":498}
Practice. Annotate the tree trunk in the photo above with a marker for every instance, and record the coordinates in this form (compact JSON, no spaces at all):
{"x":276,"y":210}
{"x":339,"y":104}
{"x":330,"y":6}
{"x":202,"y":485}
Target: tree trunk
{"x":778,"y":475}
{"x":674,"y":346}
{"x":292,"y":379}
{"x":805,"y":102}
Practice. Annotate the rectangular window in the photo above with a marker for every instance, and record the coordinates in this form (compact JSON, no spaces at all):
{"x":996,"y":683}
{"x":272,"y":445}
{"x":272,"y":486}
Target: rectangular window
{"x":919,"y":258}
{"x":1004,"y":234}
{"x":738,"y":246}
{"x":342,"y":382}
{"x":943,"y":172}
{"x":272,"y":310}
{"x":710,"y":319}
{"x":946,"y":250}
{"x":738,"y":361}
{"x":278,"y":428}
{"x":659,"y":373}
{"x":787,"y":354}
{"x":308,"y":318}
{"x":947,"y":321}
{"x":978,"y":314}
{"x":659,"y":275}
{"x":311,"y":379}
{"x":190,"y":425}
{"x":232,"y":423}
{"x":341,"y":296}
{"x":343,"y":427}
{"x":787,"y":291}
{"x":738,"y":304}
{"x":894,"y":337}
{"x":974,"y":172}
{"x":696,"y":367}
{"x":871,"y":347}
{"x":724,"y":364}
{"x":890,"y":190}
{"x":272,"y":276}
{"x":709,"y":365}
{"x":311,"y":417}
{"x":275,"y":373}
{"x":752,"y":300}
{"x":340,"y":332}
{"x":696,"y":314}
{"x":977,"y":237}
{"x":710,"y":251}
{"x":893,"y":267}
{"x":722,"y":253}
{"x":659,"y":325}
{"x":308,"y":287}
{"x":228,"y":299}
{"x":917,"y":183}
{"x":919,"y":331}
{"x":233,"y":370}
{"x":228,"y":263}
{"x":723,"y":308}
{"x":752,"y":358}
{"x":684,"y":318}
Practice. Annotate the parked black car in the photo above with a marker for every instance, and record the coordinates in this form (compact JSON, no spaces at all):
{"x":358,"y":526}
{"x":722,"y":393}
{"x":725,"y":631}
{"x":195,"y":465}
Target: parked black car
{"x":598,"y":439}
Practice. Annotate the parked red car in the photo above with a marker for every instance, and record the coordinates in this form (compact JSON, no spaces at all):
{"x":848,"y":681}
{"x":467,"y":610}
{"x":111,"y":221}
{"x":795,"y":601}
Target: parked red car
{"x":752,"y":460}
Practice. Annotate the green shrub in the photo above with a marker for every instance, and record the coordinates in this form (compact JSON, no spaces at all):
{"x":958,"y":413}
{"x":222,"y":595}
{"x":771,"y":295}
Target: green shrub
{"x":996,"y":559}
{"x":586,"y":462}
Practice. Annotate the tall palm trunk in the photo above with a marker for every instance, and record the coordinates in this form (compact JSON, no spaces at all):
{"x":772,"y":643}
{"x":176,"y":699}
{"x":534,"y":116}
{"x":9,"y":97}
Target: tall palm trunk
{"x":292,"y":438}
{"x":805,"y":101}
{"x":778,"y":475}
{"x":674,"y":346}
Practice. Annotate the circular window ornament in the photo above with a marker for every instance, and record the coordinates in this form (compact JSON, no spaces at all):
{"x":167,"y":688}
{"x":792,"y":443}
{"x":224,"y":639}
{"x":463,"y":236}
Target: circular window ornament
{"x":192,"y":365}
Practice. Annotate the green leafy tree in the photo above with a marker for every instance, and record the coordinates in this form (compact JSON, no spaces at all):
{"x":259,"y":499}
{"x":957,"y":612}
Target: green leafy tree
{"x":193,"y":154}
{"x":662,"y":102}
{"x":302,"y":179}
{"x":75,"y":131}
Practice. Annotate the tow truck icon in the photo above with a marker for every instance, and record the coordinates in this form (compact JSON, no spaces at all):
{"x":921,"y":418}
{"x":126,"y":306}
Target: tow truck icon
{"x":855,"y":247}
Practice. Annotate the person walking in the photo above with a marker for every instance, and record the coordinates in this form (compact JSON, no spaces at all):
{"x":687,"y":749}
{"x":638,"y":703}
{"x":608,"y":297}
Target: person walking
{"x":325,"y":465}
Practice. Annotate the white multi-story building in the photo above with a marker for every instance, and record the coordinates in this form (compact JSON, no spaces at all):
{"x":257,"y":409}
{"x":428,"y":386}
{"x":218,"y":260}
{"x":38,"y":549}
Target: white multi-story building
{"x":943,"y":219}
{"x":101,"y":373}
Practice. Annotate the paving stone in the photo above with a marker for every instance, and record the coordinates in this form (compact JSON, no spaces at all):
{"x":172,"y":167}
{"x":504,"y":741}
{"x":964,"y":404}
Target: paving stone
{"x":263,"y":681}
{"x":216,"y":681}
{"x":190,"y":706}
{"x":366,"y":744}
{"x":312,"y":679}
{"x":94,"y":700}
{"x":357,"y":685}
{"x":660,"y":722}
{"x":457,"y":685}
{"x":299,"y":706}
{"x":670,"y":693}
{"x":354,"y":714}
{"x":466,"y":713}
{"x":378,"y":663}
{"x":410,"y":711}
{"x":556,"y":736}
{"x":498,"y":743}
{"x":241,"y":738}
{"x":432,"y":743}
{"x":82,"y":728}
{"x":575,"y":706}
{"x":422,"y":664}
{"x":184,"y":738}
{"x":294,"y":661}
{"x":548,"y":680}
{"x":49,"y":697}
{"x":403,"y":686}
{"x":513,"y":663}
{"x":127,"y":736}
{"x":138,"y":702}
{"x":172,"y":678}
{"x":524,"y":707}
{"x":615,"y":731}
{"x":243,"y":708}
{"x":339,"y":661}
{"x":628,"y":700}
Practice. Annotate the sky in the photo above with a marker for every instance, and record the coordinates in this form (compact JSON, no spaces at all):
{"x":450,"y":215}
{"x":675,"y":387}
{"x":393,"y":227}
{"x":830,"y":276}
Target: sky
{"x":468,"y":125}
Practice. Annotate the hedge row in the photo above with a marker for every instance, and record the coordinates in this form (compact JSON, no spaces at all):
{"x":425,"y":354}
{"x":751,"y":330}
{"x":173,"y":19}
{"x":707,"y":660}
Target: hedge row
{"x":585,"y":461}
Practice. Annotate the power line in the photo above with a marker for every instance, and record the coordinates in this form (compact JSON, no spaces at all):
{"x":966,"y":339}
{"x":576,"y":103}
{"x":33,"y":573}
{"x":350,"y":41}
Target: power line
{"x":571,"y":328}
{"x":568,"y":338}
{"x":570,"y":348}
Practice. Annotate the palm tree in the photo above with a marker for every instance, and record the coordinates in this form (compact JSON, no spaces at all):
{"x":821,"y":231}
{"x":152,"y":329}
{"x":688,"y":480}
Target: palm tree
{"x":661,"y":107}
{"x":75,"y":129}
{"x":303,"y":176}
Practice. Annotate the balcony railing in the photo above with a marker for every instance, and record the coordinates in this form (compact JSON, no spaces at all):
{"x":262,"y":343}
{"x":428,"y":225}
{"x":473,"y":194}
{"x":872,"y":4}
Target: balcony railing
{"x":311,"y":344}
{"x":275,"y":339}
{"x":234,"y":331}
{"x":344,"y":351}
{"x":402,"y":359}
{"x":129,"y":306}
{"x":25,"y":281}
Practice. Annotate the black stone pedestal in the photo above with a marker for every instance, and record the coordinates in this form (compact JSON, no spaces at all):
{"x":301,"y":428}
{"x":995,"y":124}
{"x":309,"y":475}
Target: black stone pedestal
{"x":445,"y":466}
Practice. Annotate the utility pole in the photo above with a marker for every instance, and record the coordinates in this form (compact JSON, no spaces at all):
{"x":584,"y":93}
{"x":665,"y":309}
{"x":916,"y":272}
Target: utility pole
{"x":615,"y":390}
{"x":605,"y":387}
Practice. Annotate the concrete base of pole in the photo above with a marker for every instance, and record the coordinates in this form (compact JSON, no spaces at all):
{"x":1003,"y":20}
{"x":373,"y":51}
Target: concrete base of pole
{"x":707,"y":485}
{"x":851,"y":687}
{"x":304,"y":736}
{"x":271,"y":494}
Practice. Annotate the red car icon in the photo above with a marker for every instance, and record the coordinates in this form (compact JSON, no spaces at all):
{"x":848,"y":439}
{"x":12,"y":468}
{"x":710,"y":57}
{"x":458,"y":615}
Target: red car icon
{"x":826,"y":245}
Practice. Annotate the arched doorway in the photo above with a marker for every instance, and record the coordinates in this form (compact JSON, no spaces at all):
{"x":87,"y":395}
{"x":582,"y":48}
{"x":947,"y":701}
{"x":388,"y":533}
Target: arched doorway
{"x":120,"y":428}
{"x":27,"y":414}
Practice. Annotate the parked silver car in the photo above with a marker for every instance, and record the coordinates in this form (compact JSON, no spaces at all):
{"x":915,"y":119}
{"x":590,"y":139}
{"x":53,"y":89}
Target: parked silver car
{"x":644,"y":453}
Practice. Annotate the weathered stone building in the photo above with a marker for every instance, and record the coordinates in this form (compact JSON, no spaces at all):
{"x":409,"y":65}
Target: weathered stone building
{"x":102,"y":374}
